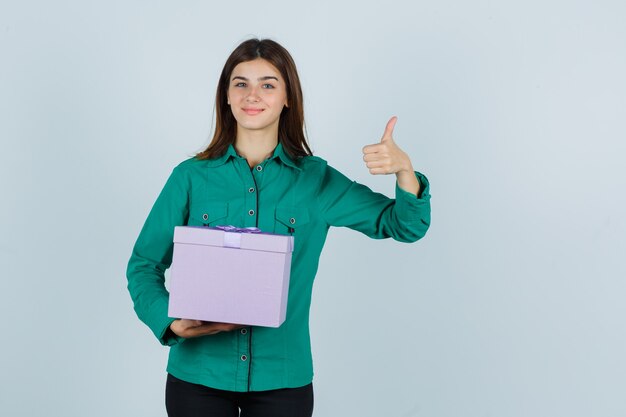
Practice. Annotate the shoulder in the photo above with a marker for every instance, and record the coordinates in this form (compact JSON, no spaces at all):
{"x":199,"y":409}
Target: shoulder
{"x":318,"y":165}
{"x":312,"y":163}
{"x":187,"y":172}
{"x":191,"y":163}
{"x":325,"y":177}
{"x":190,"y":166}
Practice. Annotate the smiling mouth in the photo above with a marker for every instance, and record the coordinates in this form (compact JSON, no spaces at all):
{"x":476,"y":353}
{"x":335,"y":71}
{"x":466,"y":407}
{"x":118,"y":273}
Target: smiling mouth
{"x":252,"y":112}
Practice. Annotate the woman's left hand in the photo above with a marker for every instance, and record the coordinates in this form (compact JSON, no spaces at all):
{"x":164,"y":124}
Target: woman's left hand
{"x":386,"y":157}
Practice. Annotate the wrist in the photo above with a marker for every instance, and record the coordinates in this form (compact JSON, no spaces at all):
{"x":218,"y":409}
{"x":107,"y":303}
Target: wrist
{"x":406,"y":167}
{"x":407,"y":180}
{"x":172,"y":325}
{"x":406,"y":171}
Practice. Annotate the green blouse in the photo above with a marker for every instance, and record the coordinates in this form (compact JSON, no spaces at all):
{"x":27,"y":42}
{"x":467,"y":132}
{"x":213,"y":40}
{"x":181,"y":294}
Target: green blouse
{"x":304,"y":197}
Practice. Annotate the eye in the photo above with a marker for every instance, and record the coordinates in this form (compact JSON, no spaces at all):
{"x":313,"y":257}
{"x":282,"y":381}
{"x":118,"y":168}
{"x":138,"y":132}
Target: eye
{"x":268,"y":86}
{"x":241,"y":84}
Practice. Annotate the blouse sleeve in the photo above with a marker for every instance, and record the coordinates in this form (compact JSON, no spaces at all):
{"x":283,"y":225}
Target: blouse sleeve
{"x":152,"y":255}
{"x":344,"y":202}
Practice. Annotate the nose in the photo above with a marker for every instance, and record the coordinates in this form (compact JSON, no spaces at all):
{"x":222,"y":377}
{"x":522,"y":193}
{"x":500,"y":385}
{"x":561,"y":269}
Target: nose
{"x":253,"y":97}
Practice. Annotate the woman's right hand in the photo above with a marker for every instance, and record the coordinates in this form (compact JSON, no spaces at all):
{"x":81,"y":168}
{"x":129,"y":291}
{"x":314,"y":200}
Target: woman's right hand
{"x":194,"y":328}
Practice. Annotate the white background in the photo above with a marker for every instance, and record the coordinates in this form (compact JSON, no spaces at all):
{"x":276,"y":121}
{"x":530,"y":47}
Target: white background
{"x":512,"y":305}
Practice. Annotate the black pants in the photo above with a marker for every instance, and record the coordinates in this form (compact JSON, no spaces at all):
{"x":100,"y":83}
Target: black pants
{"x":184,"y":399}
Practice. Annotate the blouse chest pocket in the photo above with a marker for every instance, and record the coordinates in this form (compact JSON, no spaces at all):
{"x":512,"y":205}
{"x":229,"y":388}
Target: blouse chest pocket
{"x":207,"y":214}
{"x":290,"y":219}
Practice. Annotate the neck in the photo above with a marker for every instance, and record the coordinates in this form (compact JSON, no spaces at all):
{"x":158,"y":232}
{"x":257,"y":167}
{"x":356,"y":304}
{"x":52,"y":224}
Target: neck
{"x":255,"y":146}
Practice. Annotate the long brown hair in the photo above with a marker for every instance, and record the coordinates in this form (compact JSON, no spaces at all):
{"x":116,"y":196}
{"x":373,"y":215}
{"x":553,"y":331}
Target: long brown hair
{"x":291,"y":123}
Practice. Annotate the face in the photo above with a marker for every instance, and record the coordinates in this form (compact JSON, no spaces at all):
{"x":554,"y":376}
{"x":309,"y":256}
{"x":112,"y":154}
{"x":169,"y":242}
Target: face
{"x":257,"y":94}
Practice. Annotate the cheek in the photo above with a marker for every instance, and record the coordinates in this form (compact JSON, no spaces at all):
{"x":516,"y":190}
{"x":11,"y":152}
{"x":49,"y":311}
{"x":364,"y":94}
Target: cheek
{"x":234,"y":95}
{"x":278,"y":101}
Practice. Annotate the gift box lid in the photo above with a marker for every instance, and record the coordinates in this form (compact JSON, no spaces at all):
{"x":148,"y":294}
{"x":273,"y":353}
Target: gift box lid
{"x":212,"y":236}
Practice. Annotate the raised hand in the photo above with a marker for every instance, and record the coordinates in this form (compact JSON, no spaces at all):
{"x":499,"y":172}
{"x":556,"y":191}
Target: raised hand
{"x":386,"y":157}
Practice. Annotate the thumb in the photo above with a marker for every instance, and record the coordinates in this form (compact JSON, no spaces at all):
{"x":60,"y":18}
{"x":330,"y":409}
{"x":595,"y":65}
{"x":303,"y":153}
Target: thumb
{"x":389,"y":129}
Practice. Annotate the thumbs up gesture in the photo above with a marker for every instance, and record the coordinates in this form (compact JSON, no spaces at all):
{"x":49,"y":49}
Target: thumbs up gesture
{"x":386,"y":157}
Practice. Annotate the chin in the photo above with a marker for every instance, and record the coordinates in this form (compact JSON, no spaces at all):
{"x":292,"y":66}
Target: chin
{"x":257,"y":125}
{"x":253,"y":126}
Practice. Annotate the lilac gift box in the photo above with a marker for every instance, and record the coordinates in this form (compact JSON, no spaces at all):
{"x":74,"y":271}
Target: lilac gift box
{"x":230,"y":276}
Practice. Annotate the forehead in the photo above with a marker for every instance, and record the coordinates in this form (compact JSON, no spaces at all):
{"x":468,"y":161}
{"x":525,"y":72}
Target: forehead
{"x":255,"y":69}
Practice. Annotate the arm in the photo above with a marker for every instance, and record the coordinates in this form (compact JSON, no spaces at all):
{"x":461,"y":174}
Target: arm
{"x":152,"y":255}
{"x":346,"y":203}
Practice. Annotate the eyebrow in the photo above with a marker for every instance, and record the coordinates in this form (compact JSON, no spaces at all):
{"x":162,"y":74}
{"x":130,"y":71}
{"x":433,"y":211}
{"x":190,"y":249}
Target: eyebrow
{"x":267,"y":77}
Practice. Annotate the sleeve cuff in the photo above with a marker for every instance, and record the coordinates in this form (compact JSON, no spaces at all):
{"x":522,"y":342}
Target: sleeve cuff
{"x":160,"y":327}
{"x":413,"y":208}
{"x":167,"y":337}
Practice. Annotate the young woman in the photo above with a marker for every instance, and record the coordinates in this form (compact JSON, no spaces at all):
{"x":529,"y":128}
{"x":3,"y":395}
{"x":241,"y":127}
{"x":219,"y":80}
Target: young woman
{"x":259,"y":171}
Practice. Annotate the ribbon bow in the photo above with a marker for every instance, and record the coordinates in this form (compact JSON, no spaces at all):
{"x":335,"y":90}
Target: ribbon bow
{"x":232,"y":237}
{"x":231,"y":228}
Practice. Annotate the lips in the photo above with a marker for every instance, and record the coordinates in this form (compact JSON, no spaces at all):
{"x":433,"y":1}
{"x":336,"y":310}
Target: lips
{"x":252,"y":112}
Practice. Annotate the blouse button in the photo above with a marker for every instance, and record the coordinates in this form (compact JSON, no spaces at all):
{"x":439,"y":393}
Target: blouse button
{"x":259,"y":168}
{"x":292,"y":220}
{"x":244,"y":358}
{"x":205,"y":216}
{"x":251,"y":212}
{"x":244,"y":331}
{"x":251,"y":189}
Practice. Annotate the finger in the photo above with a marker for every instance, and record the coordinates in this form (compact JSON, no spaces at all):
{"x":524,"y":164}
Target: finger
{"x":204,"y":330}
{"x":377,"y":164}
{"x":374,"y":156}
{"x":223,"y":326}
{"x":379,"y":171}
{"x":372,"y":148}
{"x":190,"y":323}
{"x":214,"y":328}
{"x":387,"y":135}
{"x":234,"y":326}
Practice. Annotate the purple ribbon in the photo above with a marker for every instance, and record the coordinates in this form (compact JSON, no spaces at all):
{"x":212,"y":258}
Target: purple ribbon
{"x":231,"y":228}
{"x":232,"y":237}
